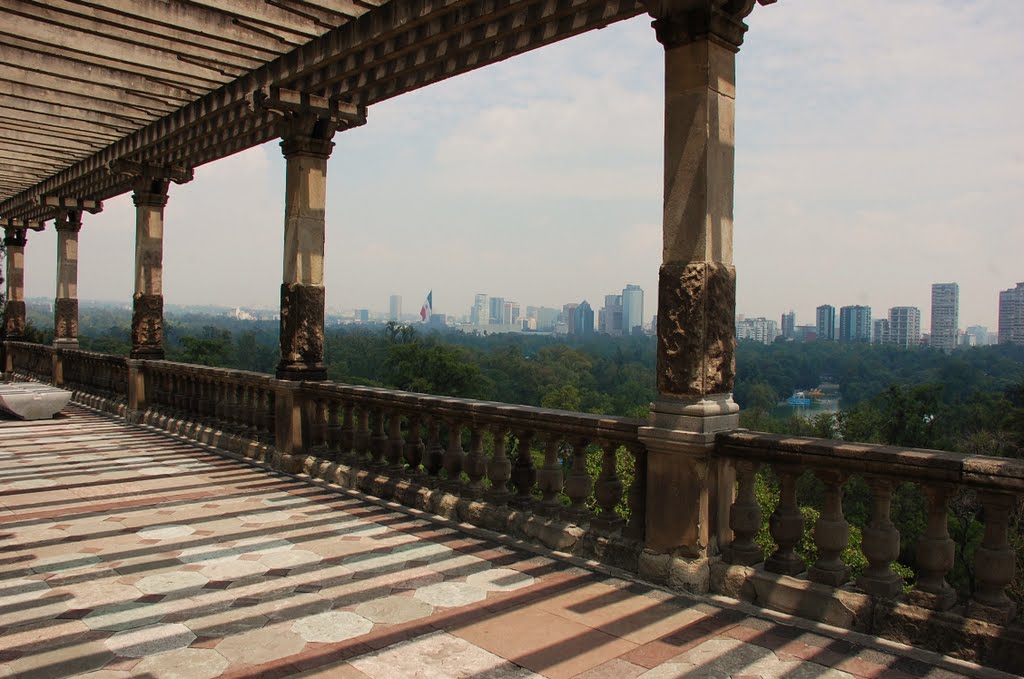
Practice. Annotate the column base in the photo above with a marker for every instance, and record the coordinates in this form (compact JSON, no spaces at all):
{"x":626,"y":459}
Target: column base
{"x":147,"y":353}
{"x":301,"y":372}
{"x":65,"y":343}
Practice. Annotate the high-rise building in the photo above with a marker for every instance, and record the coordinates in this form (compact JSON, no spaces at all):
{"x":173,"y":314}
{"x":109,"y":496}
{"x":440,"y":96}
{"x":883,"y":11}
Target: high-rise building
{"x":945,"y":315}
{"x":509,"y":313}
{"x":480,"y":314}
{"x":806,"y":333}
{"x":977,"y":336}
{"x":363,"y":315}
{"x":569,"y":317}
{"x":905,"y":326}
{"x":395,"y":308}
{"x":583,"y":319}
{"x":882,"y":331}
{"x":496,"y":309}
{"x":855,"y":323}
{"x":760,"y":330}
{"x":546,"y":319}
{"x":789,"y":325}
{"x":632,"y":309}
{"x":609,"y":318}
{"x":826,"y":315}
{"x":1011,"y":315}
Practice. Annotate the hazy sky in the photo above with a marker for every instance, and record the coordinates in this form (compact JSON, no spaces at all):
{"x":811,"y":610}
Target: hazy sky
{"x":879,"y":149}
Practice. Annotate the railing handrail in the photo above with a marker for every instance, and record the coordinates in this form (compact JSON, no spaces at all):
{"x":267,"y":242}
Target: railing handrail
{"x":232,"y":374}
{"x":486,"y":412}
{"x":911,"y":464}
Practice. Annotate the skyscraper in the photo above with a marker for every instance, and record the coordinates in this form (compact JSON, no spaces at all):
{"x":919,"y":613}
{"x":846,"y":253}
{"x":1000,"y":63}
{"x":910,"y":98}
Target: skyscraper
{"x":610,"y":317}
{"x":497,"y":310}
{"x":480,"y":314}
{"x":632,"y":309}
{"x":945,"y":315}
{"x":1011,"y":315}
{"x":882,"y":333}
{"x":789,"y":325}
{"x":583,"y":321}
{"x":905,"y":326}
{"x":569,"y":316}
{"x":855,"y":323}
{"x":395,"y":308}
{"x":826,"y":314}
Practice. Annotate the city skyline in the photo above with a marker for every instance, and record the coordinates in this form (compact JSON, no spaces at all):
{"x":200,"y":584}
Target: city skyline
{"x":541,"y":177}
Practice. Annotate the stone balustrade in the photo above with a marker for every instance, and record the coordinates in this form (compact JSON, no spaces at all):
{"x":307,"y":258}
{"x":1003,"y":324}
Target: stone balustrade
{"x":997,"y":483}
{"x":30,"y":360}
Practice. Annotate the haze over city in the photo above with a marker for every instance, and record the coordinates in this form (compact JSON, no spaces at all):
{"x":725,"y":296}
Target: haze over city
{"x":861,"y":178}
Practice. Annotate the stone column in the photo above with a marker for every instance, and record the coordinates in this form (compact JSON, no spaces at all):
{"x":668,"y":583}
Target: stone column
{"x":14,"y":317}
{"x":306,"y":145}
{"x":150,"y":198}
{"x":65,"y":307}
{"x":688,"y":493}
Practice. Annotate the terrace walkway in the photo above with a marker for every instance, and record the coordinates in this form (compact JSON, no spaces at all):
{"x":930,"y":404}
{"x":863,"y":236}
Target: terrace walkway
{"x":130,"y":553}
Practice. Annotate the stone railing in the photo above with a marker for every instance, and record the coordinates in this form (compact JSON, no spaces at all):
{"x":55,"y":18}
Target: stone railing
{"x":31,"y":361}
{"x":562,"y":470}
{"x":995,"y":484}
{"x":92,"y":373}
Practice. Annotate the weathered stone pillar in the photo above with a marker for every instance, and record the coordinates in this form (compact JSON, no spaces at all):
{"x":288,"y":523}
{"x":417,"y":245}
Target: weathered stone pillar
{"x":306,"y":150}
{"x":688,"y":493}
{"x":306,"y":124}
{"x":150,"y":198}
{"x":65,"y":306}
{"x":14,"y":317}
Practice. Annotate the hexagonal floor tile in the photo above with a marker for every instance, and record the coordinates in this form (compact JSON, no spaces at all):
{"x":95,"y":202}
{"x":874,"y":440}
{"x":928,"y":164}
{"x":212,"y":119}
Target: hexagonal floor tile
{"x":205,"y":554}
{"x":393,"y":610}
{"x":17,"y":591}
{"x":261,"y":545}
{"x":450,"y":594}
{"x":64,"y":562}
{"x":144,"y":641}
{"x":183,"y":663}
{"x":261,"y":645}
{"x":172,"y":582}
{"x":500,"y":580}
{"x":265,"y":517}
{"x":331,"y":626}
{"x":290,"y":559}
{"x":165,"y":532}
{"x":90,"y":594}
{"x":124,"y":615}
{"x":232,"y":570}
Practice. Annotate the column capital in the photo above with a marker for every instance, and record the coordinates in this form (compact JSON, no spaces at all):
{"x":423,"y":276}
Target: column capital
{"x":150,"y":182}
{"x":68,"y":220}
{"x":62,"y":203}
{"x":680,"y":22}
{"x":306,"y":122}
{"x":16,"y":238}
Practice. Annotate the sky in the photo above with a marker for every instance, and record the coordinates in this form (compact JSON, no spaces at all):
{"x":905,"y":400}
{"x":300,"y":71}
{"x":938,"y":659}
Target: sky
{"x":879,"y":150}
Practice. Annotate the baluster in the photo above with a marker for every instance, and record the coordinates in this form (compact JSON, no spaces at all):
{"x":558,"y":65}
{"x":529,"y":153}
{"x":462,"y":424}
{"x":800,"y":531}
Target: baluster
{"x":994,"y":562}
{"x":379,"y":444}
{"x":935,"y":553}
{"x":637,"y":527}
{"x":549,"y":476}
{"x":454,"y":457}
{"x":348,"y":431}
{"x":831,"y":533}
{"x":270,"y":414}
{"x":524,"y":473}
{"x":786,"y":525}
{"x":333,"y":429}
{"x":395,"y":443}
{"x":204,"y":400}
{"x":609,"y":489}
{"x":499,"y":470}
{"x":414,"y":446}
{"x":745,"y":517}
{"x":362,"y":435}
{"x":252,"y":415}
{"x":579,"y":484}
{"x":434,"y":462}
{"x":476,"y":463}
{"x":193,"y":397}
{"x":318,"y":408}
{"x":881,"y":543}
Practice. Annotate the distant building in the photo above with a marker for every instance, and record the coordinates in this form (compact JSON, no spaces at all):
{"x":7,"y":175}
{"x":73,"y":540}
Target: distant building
{"x":480,"y":314}
{"x":760,"y":330}
{"x":583,"y":319}
{"x":977,"y":336}
{"x":789,"y":325}
{"x":806,"y":333}
{"x":609,"y":318}
{"x":855,"y":323}
{"x":569,"y":317}
{"x":1011,"y":315}
{"x":826,"y":317}
{"x":632,"y":309}
{"x":510,"y":313}
{"x":395,"y":308}
{"x":945,"y":315}
{"x":546,"y":318}
{"x":881,"y":332}
{"x":496,"y":310}
{"x":363,"y":315}
{"x":905,"y":326}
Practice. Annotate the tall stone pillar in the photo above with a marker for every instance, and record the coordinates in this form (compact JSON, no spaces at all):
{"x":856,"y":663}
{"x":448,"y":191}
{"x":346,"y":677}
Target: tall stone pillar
{"x":306,"y":146}
{"x":306,"y":124}
{"x":14,"y":316}
{"x":65,"y":307}
{"x":150,"y":198}
{"x":688,"y":493}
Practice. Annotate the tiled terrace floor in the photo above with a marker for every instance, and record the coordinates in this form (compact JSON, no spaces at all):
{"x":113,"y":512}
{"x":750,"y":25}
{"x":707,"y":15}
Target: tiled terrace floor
{"x":129,"y":553}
